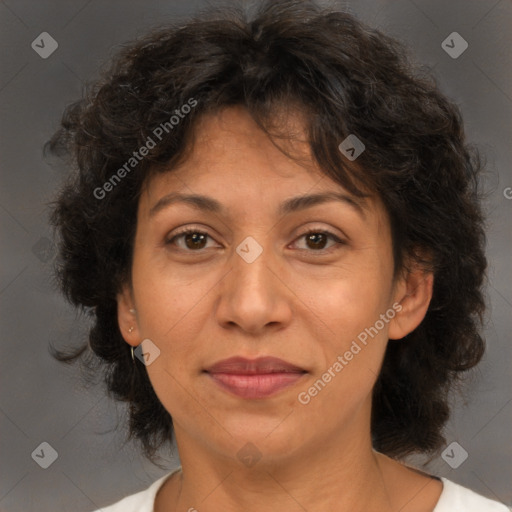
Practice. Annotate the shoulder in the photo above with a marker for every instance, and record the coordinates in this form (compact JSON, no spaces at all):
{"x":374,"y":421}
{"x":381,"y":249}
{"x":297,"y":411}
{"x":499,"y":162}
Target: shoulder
{"x":142,"y":501}
{"x":455,"y":498}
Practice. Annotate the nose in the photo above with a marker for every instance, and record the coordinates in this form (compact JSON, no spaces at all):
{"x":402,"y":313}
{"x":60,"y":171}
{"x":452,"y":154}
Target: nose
{"x":254,"y":294}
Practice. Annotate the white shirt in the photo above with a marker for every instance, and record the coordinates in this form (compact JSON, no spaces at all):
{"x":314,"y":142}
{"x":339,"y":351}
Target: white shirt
{"x":454,"y":498}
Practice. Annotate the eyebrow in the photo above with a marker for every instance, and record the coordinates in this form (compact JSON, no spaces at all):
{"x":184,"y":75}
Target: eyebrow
{"x":294,"y":204}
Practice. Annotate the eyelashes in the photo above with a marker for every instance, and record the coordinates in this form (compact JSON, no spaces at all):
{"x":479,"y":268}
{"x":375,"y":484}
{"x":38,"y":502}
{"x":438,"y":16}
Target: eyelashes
{"x":202,"y":236}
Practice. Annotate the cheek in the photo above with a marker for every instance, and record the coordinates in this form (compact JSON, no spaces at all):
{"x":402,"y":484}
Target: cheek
{"x":351,"y":306}
{"x":353,"y":356}
{"x":168,"y":300}
{"x":175,"y":395}
{"x":352,"y":299}
{"x":171,"y":308}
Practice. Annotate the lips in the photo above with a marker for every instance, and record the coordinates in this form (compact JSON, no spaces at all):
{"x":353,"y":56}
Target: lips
{"x":256,"y":378}
{"x":262,"y":365}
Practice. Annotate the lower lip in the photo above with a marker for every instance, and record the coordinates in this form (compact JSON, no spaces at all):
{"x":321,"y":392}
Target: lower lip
{"x":255,"y":386}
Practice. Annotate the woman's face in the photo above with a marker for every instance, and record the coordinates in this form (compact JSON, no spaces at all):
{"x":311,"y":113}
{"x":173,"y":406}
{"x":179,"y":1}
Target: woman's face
{"x":256,"y":286}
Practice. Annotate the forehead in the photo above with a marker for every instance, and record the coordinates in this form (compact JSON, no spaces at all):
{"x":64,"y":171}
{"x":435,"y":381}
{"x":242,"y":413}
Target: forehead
{"x":232,"y":159}
{"x":232,"y":137}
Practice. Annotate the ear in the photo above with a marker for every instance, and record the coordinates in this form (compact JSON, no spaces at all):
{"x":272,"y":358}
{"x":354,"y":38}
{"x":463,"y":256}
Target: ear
{"x":413,"y":292}
{"x":127,"y":316}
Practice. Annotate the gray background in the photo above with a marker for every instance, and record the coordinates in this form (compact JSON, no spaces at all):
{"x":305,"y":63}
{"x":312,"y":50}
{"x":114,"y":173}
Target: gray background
{"x":44,"y":401}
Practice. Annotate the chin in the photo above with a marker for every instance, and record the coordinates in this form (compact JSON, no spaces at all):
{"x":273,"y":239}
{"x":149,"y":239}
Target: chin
{"x":274,"y":438}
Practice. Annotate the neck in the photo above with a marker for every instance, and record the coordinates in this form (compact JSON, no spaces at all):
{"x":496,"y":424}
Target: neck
{"x":331,"y":475}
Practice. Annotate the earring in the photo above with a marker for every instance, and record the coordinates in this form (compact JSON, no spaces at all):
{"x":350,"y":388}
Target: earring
{"x":132,"y":311}
{"x":131,"y":329}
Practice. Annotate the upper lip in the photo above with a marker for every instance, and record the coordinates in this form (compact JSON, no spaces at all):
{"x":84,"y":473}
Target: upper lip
{"x":261,"y":365}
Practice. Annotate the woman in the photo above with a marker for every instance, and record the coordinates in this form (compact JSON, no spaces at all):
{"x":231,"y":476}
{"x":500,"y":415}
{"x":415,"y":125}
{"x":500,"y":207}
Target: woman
{"x":269,"y":220}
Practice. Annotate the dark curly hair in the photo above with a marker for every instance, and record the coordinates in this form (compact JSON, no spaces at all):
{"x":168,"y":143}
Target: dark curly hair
{"x":343,"y":78}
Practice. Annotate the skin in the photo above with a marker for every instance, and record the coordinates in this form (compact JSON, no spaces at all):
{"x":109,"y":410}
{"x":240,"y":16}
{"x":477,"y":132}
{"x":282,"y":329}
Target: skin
{"x":298,"y":301}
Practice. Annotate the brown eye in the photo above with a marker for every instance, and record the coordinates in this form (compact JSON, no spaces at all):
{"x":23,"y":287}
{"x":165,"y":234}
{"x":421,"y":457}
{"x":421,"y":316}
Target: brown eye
{"x":316,"y":240}
{"x":194,"y":239}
